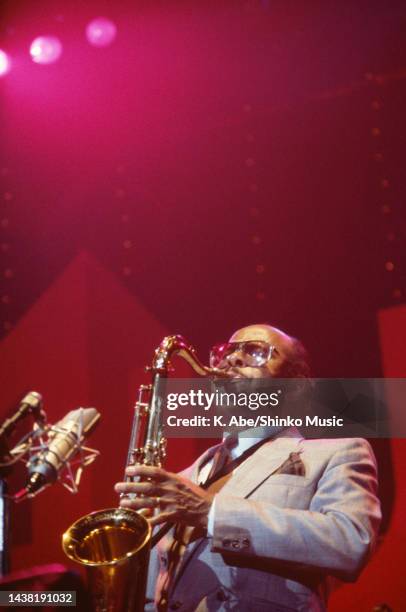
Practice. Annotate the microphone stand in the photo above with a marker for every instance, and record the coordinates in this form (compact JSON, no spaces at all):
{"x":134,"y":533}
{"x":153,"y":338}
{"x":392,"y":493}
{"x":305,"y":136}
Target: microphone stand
{"x":4,"y":530}
{"x":73,"y":432}
{"x":4,"y":510}
{"x":31,"y":403}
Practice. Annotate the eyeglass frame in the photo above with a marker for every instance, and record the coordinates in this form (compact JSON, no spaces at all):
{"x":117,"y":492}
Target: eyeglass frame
{"x":238,"y":345}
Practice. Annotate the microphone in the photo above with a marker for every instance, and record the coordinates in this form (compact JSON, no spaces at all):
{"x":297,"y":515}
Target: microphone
{"x":64,"y":441}
{"x":32,"y":402}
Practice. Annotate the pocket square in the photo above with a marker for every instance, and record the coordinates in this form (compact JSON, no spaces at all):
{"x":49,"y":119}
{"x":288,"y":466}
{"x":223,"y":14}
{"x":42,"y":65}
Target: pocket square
{"x":293,"y":465}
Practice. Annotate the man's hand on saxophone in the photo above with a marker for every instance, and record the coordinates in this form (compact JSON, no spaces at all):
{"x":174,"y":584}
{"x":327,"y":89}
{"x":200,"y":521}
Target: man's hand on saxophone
{"x":177,"y":499}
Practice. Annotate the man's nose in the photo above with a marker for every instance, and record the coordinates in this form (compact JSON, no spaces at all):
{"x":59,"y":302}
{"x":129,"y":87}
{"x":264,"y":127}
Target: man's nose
{"x":235,"y":360}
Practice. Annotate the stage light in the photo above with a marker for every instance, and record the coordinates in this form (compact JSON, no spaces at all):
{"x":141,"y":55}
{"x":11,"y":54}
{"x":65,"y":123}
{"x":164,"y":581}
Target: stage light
{"x":4,"y":63}
{"x":101,"y":32}
{"x":46,"y":49}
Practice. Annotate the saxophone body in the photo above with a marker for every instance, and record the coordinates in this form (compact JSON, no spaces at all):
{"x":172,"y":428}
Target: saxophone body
{"x":114,"y":544}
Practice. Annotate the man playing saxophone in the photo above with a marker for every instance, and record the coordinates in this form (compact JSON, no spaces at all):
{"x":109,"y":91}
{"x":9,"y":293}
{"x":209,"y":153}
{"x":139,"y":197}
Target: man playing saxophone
{"x":261,"y":522}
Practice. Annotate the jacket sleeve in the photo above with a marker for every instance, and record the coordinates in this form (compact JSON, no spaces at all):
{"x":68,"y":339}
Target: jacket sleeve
{"x":335,"y":535}
{"x":153,"y":571}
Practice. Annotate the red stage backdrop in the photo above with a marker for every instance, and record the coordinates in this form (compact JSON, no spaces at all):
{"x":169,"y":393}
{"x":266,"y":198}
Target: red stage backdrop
{"x":383,"y":580}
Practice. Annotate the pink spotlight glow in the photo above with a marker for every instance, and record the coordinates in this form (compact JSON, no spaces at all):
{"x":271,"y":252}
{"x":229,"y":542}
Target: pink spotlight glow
{"x":101,"y":32}
{"x":46,"y":49}
{"x":4,"y":63}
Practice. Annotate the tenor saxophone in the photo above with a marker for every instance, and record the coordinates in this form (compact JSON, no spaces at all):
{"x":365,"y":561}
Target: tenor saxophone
{"x":114,"y":544}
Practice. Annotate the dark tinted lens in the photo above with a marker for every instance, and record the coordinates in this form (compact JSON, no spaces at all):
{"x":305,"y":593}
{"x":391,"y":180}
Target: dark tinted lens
{"x":256,"y":352}
{"x":219,"y":353}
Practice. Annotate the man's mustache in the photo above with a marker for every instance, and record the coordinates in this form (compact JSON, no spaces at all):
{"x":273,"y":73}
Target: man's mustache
{"x":235,"y":373}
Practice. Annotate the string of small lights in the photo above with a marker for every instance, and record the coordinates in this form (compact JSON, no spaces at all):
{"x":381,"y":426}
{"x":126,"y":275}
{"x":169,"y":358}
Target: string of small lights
{"x":7,"y":197}
{"x":126,"y":241}
{"x":129,"y":197}
{"x":254,"y":207}
{"x":383,"y":182}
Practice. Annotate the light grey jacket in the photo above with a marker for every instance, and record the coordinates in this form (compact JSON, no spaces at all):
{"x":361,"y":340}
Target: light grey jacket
{"x":277,"y":537}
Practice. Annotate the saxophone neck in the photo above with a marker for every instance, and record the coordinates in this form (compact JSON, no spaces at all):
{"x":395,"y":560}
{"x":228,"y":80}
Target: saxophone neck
{"x":178,"y":345}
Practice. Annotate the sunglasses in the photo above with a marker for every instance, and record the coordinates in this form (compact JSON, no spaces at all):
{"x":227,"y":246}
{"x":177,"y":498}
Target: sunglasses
{"x":251,"y":353}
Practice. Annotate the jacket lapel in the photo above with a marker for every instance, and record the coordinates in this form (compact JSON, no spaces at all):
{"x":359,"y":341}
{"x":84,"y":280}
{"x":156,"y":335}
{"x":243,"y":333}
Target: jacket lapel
{"x":259,"y":466}
{"x":197,"y":466}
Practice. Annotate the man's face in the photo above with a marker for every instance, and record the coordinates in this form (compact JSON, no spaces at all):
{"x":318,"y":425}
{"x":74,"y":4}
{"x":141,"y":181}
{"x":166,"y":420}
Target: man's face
{"x":274,"y":366}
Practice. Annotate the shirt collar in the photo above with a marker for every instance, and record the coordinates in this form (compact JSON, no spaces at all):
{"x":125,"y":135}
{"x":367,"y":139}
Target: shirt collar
{"x":250,"y":437}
